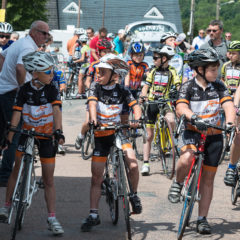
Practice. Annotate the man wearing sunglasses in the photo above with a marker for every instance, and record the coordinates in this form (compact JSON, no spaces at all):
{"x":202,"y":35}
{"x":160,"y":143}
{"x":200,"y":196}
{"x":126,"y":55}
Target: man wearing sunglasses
{"x":215,"y":31}
{"x":5,"y":32}
{"x":12,"y":76}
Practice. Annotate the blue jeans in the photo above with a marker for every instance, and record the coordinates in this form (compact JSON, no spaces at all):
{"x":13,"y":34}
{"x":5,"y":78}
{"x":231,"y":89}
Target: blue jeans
{"x":6,"y":103}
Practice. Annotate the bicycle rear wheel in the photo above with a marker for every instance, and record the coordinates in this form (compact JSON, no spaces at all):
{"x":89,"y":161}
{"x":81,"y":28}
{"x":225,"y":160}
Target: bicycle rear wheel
{"x":70,"y":83}
{"x":87,"y":146}
{"x":167,"y":149}
{"x":189,"y":198}
{"x":21,"y":206}
{"x":125,"y":191}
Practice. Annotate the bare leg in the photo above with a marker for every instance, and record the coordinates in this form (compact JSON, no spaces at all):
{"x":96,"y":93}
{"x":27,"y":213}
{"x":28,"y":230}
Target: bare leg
{"x":147,"y":145}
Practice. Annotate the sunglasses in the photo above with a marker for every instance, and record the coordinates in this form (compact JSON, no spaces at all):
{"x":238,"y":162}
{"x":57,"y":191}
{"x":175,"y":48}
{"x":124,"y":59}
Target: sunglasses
{"x":43,"y":32}
{"x":156,"y":58}
{"x":48,"y":72}
{"x":211,"y":30}
{"x":5,"y":36}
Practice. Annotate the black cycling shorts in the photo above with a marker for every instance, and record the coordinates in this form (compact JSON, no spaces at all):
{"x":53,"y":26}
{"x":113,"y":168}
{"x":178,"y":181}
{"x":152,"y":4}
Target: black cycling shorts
{"x":213,"y":146}
{"x":103,"y":145}
{"x":47,"y":149}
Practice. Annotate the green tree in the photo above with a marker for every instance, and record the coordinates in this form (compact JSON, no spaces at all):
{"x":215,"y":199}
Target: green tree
{"x":205,"y":11}
{"x":21,"y":13}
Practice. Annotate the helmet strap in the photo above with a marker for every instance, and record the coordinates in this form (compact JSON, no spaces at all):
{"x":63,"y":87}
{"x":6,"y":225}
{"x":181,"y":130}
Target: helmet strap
{"x":110,"y":79}
{"x":38,"y":82}
{"x":162,"y":63}
{"x":202,"y":75}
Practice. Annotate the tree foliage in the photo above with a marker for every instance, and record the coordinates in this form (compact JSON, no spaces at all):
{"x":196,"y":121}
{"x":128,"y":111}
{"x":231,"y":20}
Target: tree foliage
{"x":21,"y":13}
{"x":205,"y":11}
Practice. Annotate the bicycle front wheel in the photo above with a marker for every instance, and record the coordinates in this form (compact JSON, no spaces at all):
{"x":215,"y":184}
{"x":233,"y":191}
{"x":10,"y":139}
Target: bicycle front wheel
{"x":125,"y":192}
{"x":87,"y":146}
{"x":167,"y":149}
{"x":189,"y":199}
{"x":21,"y":206}
{"x":70,"y":84}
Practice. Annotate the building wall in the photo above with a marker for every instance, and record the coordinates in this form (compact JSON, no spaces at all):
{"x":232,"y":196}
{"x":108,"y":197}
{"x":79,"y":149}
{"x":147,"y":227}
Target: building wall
{"x":52,"y":14}
{"x":117,"y":13}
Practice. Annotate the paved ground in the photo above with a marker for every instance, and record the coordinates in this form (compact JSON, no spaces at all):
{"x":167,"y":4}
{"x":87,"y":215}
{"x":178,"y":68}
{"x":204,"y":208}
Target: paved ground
{"x":159,"y":219}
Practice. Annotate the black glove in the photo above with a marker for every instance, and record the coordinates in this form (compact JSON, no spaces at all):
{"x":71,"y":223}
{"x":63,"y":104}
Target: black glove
{"x":58,"y":134}
{"x":198,"y":122}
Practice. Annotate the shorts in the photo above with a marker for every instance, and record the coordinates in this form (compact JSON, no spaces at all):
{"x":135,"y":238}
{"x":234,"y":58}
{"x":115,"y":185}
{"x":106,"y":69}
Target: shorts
{"x":126,"y":109}
{"x":83,"y":70}
{"x":103,"y":145}
{"x":46,"y":147}
{"x":213,"y":146}
{"x":152,"y":113}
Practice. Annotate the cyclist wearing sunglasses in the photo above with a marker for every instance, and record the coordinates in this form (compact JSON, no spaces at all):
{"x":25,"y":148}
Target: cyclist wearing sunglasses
{"x":5,"y":33}
{"x":38,"y":102}
{"x":216,"y":41}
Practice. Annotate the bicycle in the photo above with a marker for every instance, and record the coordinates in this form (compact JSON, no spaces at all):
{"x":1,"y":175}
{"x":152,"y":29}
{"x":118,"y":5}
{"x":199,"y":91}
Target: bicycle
{"x":116,"y":178}
{"x":190,"y":192}
{"x":88,"y":144}
{"x":26,"y":185}
{"x":234,"y":195}
{"x":163,"y":140}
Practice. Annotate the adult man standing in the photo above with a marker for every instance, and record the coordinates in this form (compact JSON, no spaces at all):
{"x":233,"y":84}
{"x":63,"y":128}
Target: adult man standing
{"x":90,"y":34}
{"x":228,"y":36}
{"x":216,"y":41}
{"x":199,"y":40}
{"x":118,"y":42}
{"x":93,"y":44}
{"x":12,"y":76}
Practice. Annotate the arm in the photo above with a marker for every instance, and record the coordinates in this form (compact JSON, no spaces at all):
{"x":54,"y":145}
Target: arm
{"x":137,"y":112}
{"x":82,"y":59}
{"x":230,"y":112}
{"x":14,"y":123}
{"x":237,"y":97}
{"x":183,"y":108}
{"x":93,"y":112}
{"x":88,"y":81}
{"x":127,"y":80}
{"x":94,"y":54}
{"x":21,"y":74}
{"x":144,"y":90}
{"x":57,"y":118}
{"x":2,"y":58}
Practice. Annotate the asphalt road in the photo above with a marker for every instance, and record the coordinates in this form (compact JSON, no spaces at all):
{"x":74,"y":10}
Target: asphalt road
{"x":159,"y":219}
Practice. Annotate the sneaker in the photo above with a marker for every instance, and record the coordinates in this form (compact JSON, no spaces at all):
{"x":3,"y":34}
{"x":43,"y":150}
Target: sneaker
{"x":89,"y":222}
{"x":230,"y":178}
{"x":4,"y":214}
{"x":61,"y":150}
{"x":55,"y":226}
{"x":174,"y":193}
{"x":145,"y":169}
{"x":203,"y":226}
{"x":79,"y":96}
{"x":78,"y":143}
{"x":136,"y":203}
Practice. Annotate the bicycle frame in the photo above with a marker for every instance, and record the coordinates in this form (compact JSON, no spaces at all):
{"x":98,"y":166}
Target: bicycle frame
{"x":31,"y":186}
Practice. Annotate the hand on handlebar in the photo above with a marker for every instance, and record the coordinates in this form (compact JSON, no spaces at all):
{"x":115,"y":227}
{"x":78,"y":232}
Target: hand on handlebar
{"x":199,"y":123}
{"x":142,"y":99}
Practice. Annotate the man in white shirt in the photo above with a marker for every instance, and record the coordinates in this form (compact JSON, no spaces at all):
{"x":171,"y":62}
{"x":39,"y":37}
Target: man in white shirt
{"x":12,"y":76}
{"x":199,"y":40}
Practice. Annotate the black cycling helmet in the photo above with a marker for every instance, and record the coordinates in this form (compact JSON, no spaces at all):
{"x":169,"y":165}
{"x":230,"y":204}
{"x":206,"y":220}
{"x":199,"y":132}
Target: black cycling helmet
{"x":234,"y":46}
{"x":137,"y":47}
{"x":202,"y":57}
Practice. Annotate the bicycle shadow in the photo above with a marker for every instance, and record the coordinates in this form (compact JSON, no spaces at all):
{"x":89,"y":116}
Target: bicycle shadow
{"x":220,"y":229}
{"x":141,"y":228}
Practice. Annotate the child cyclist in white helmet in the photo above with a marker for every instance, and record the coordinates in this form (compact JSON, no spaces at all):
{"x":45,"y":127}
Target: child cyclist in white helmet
{"x":106,"y":99}
{"x":38,"y":102}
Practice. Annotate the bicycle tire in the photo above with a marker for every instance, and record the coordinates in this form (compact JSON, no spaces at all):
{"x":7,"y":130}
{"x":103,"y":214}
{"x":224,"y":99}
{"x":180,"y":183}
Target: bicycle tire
{"x":21,"y":207}
{"x":189,"y":205}
{"x":137,"y":143}
{"x":167,"y":149}
{"x":125,"y":195}
{"x":70,"y":83}
{"x":234,"y":195}
{"x":112,"y":188}
{"x":87,"y":146}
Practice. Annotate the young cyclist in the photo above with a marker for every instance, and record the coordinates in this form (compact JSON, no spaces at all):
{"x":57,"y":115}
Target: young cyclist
{"x":159,"y":82}
{"x":104,"y":47}
{"x":200,"y":100}
{"x":137,"y":71}
{"x":106,"y":99}
{"x":231,"y":69}
{"x":84,"y":60}
{"x":38,"y":102}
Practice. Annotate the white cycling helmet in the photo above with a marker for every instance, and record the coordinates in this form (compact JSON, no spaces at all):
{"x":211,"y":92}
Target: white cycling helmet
{"x":79,"y":31}
{"x":164,"y":50}
{"x":83,"y":38}
{"x":37,"y":61}
{"x":6,"y":27}
{"x":111,"y":35}
{"x":167,"y":35}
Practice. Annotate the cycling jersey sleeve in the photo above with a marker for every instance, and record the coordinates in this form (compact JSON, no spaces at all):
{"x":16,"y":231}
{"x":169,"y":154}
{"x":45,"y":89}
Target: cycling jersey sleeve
{"x":175,"y":77}
{"x":93,"y":93}
{"x":20,"y":99}
{"x":128,"y":97}
{"x":223,"y":71}
{"x":223,"y":93}
{"x":54,"y":95}
{"x":150,"y":77}
{"x":185,"y":93}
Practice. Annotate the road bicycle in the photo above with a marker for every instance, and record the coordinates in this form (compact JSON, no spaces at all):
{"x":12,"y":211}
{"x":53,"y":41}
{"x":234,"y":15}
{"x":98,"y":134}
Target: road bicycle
{"x":190,"y":192}
{"x":88,"y":144}
{"x":163,"y":141}
{"x":27,"y":184}
{"x":116,"y":178}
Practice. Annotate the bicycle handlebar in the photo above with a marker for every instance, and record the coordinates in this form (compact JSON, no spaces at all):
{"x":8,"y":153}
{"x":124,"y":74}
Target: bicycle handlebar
{"x":31,"y":132}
